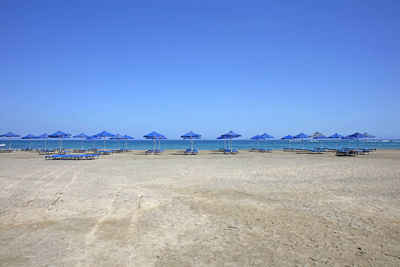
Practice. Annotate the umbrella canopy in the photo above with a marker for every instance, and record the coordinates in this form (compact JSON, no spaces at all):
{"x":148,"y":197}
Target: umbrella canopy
{"x":230,"y":135}
{"x":336,"y":136}
{"x":356,"y":135}
{"x":126,"y":138}
{"x":29,"y":136}
{"x":258,"y":138}
{"x":60,"y":135}
{"x":10,"y":134}
{"x":191,"y":135}
{"x":81,"y":135}
{"x":301,"y":136}
{"x":266,"y":136}
{"x":287,"y":137}
{"x":105,"y":134}
{"x":155,"y":136}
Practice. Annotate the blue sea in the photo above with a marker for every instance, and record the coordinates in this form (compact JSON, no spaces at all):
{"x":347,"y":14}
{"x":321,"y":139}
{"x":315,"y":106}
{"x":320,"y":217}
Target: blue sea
{"x":202,"y":144}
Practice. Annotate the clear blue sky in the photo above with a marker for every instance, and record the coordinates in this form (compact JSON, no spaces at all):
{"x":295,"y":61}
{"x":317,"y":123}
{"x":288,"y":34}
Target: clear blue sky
{"x":131,"y":67}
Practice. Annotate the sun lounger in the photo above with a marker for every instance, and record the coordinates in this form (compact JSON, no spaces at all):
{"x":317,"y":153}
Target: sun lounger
{"x":346,"y":152}
{"x":230,"y":151}
{"x":72,"y":157}
{"x":265,"y":150}
{"x":190,"y":151}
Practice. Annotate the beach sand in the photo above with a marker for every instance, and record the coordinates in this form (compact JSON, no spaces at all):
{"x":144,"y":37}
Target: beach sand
{"x":251,"y":209}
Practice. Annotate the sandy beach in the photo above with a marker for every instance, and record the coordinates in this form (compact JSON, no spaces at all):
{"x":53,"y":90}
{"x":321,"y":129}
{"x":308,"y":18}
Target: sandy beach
{"x":250,"y":209}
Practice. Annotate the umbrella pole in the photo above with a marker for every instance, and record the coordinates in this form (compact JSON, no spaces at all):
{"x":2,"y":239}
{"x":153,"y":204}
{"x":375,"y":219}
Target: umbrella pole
{"x":9,"y":144}
{"x":45,"y":145}
{"x":126,"y":144}
{"x":82,"y":144}
{"x":104,"y":142}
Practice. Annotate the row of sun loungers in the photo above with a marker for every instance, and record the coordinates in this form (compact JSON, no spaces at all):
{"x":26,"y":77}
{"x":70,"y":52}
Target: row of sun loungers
{"x":306,"y":150}
{"x":230,"y":151}
{"x":353,"y":151}
{"x":261,"y":150}
{"x":265,"y":150}
{"x":72,"y":157}
{"x":46,"y":151}
{"x":154,"y":151}
{"x":6,"y":150}
{"x":339,"y":152}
